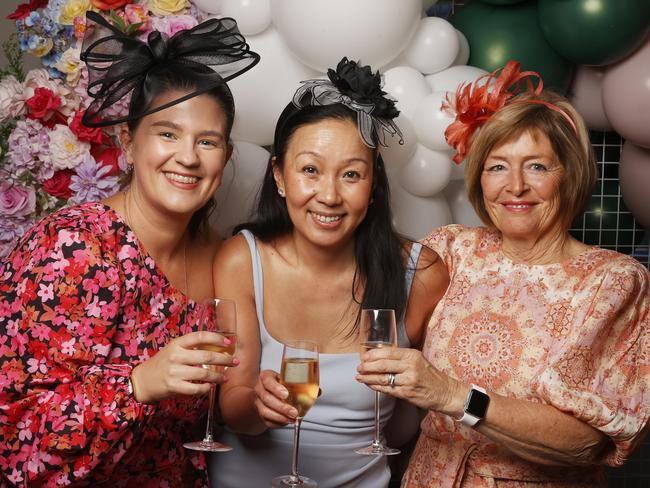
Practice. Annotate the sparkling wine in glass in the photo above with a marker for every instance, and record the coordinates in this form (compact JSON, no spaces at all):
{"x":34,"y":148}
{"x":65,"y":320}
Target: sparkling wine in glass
{"x":299,"y":374}
{"x":378,"y":329}
{"x":219,"y":316}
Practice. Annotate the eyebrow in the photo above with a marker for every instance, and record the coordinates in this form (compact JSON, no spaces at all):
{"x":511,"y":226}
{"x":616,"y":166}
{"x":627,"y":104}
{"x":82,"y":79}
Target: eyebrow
{"x":172,"y":125}
{"x":350,"y":160}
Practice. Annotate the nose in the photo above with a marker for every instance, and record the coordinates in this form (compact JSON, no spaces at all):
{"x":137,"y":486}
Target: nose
{"x":328,"y":192}
{"x":517,"y":183}
{"x":186,"y":153}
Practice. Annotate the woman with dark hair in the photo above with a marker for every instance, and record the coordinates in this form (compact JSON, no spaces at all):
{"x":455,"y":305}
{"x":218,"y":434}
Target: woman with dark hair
{"x":100,"y":382}
{"x":321,"y":249}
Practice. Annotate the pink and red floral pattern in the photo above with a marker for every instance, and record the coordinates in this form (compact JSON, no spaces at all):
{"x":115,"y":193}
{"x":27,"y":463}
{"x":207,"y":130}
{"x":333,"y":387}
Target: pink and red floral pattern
{"x":575,"y":335}
{"x":81,"y":304}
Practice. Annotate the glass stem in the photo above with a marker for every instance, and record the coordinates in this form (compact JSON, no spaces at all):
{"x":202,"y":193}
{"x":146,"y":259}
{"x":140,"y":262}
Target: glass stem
{"x":208,"y":427}
{"x":376,"y":441}
{"x":294,"y":459}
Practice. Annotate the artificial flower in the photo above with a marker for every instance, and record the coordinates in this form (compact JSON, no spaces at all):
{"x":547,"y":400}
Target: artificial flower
{"x":27,"y":143}
{"x":168,"y":7}
{"x":108,"y":4}
{"x":66,"y":150}
{"x":109,"y":157}
{"x":12,"y":100}
{"x":91,"y":182}
{"x":16,"y":200}
{"x":137,"y":14}
{"x":85,"y":133}
{"x":73,"y":9}
{"x":43,"y":104}
{"x":59,"y":184}
{"x":172,"y":24}
{"x":70,"y":65}
{"x":24,"y":9}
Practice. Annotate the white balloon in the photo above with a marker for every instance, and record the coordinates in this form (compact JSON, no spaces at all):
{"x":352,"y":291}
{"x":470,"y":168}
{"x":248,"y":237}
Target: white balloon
{"x":463,"y":50}
{"x":451,"y":78}
{"x":262,"y":93}
{"x":427,"y":173}
{"x":240,"y":184}
{"x":208,"y":6}
{"x":407,"y":86}
{"x":396,"y":155}
{"x":431,"y":121}
{"x":462,"y":211}
{"x":320,"y":33}
{"x":586,"y":96}
{"x":252,"y":16}
{"x":433,"y":47}
{"x":415,"y":217}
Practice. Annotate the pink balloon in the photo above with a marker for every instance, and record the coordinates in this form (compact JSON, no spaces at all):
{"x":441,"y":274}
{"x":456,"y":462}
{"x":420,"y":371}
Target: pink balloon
{"x":626,"y":96}
{"x":634,"y":175}
{"x":586,"y":95}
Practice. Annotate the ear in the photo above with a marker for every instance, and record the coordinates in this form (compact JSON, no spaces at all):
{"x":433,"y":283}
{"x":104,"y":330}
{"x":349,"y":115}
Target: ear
{"x":126,"y":141}
{"x":277,"y":174}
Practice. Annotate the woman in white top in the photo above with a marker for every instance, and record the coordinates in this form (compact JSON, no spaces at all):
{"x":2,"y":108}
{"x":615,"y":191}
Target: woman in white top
{"x":324,"y":246}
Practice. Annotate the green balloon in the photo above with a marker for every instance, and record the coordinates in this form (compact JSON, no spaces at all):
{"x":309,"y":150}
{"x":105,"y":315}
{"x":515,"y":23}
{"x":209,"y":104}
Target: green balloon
{"x":499,"y":34}
{"x":595,"y":32}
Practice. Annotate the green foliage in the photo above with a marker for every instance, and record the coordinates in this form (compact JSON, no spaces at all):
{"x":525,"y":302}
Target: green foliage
{"x":14,"y":56}
{"x":130,"y":29}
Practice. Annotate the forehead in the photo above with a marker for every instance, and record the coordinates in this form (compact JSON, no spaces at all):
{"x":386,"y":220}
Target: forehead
{"x":527,"y":141}
{"x":200,"y":108}
{"x":328,"y":136}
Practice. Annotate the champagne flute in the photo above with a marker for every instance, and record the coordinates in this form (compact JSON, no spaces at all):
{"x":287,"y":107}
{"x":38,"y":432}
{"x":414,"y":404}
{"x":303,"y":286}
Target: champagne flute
{"x":299,"y":375}
{"x":219,"y":316}
{"x":378,"y":330}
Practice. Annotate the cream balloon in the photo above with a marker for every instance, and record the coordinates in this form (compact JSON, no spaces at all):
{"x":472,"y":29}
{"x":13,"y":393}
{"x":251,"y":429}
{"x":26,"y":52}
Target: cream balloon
{"x":240,"y":184}
{"x":463,"y":52}
{"x":407,"y":86}
{"x":431,"y":121}
{"x":415,"y":217}
{"x":262,"y":94}
{"x":426,"y":173}
{"x":586,"y":95}
{"x":252,"y":16}
{"x":462,"y":211}
{"x":396,"y":155}
{"x":451,"y":78}
{"x":320,"y":33}
{"x":208,"y":6}
{"x":433,"y":47}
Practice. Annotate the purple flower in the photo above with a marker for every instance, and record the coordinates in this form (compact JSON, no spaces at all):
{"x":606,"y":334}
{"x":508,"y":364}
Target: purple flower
{"x":16,"y":200}
{"x":91,"y":182}
{"x":12,"y":228}
{"x":26,"y":147}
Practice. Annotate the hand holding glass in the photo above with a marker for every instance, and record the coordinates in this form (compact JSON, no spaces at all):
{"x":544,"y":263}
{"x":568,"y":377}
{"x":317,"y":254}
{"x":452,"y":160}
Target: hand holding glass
{"x":299,"y":375}
{"x":219,"y":316}
{"x":378,"y":329}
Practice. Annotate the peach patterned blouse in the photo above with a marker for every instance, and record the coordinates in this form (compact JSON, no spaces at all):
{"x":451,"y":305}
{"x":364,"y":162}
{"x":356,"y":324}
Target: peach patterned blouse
{"x":574,"y":335}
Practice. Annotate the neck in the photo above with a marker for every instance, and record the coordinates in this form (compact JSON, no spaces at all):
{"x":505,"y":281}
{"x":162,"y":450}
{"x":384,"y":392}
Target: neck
{"x":547,"y":249}
{"x":163,"y":236}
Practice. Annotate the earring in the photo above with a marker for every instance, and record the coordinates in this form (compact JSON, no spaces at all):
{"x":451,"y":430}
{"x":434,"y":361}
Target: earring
{"x":281,"y":192}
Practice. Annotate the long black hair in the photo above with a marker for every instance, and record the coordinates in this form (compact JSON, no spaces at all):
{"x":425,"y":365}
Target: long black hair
{"x":380,"y":265}
{"x":163,"y":80}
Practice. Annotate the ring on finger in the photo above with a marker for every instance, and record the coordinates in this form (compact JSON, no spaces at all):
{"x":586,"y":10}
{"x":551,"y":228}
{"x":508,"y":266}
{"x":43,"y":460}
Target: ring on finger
{"x":391,"y":380}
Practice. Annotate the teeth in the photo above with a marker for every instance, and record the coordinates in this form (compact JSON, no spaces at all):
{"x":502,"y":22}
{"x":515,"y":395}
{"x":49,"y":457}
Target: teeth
{"x":181,"y":178}
{"x":518,"y":206}
{"x":326,"y":219}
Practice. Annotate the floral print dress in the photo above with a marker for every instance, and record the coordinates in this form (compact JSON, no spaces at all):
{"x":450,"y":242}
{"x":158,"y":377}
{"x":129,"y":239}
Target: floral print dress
{"x":81,"y":304}
{"x":574,"y":335}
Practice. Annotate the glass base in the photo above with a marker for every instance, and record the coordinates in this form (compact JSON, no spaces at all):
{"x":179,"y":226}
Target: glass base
{"x":377,"y":450}
{"x":289,"y":481}
{"x":207,"y":446}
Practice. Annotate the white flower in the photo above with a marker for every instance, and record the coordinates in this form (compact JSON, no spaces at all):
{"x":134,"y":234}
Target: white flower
{"x":12,"y":99}
{"x":66,"y":150}
{"x":70,"y":64}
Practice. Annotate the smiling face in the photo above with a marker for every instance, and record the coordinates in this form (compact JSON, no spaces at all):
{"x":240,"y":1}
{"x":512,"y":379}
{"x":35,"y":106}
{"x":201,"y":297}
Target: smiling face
{"x":178,"y":154}
{"x":327,"y":178}
{"x":520,"y":183}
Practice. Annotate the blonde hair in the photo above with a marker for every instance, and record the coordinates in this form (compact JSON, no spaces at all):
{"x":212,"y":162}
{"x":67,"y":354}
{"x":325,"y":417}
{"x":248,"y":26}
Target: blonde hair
{"x":570,"y":143}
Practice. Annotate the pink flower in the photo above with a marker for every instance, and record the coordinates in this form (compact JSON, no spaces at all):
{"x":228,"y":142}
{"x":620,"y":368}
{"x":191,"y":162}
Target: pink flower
{"x":12,"y":99}
{"x":171,"y":24}
{"x":137,"y":13}
{"x":16,"y":200}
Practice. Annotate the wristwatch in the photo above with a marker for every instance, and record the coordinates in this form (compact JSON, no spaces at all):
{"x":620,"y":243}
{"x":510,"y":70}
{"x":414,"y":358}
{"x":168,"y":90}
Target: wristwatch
{"x":475,"y":406}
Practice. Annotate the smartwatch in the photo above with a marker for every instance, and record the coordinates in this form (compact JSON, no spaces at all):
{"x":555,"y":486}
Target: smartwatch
{"x":475,"y":406}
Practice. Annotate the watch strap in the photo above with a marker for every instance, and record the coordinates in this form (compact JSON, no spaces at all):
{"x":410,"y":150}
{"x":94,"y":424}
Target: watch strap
{"x":467,"y":418}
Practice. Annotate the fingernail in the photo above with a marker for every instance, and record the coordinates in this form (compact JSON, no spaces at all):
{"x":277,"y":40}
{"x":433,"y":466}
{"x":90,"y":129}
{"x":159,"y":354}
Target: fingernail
{"x":235,"y":361}
{"x":294,"y":413}
{"x":284,"y":392}
{"x":227,"y":341}
{"x":225,"y":379}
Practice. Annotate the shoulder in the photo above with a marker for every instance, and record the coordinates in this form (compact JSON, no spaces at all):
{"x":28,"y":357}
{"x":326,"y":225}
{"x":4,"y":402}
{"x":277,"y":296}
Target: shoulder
{"x":448,"y":235}
{"x":233,"y":260}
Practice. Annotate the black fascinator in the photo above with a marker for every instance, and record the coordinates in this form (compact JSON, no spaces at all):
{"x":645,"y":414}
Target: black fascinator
{"x":357,"y":88}
{"x":209,"y":54}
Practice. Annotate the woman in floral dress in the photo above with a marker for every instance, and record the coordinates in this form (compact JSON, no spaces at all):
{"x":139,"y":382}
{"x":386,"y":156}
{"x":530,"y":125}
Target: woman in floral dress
{"x":100,"y":381}
{"x":536,"y":365}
